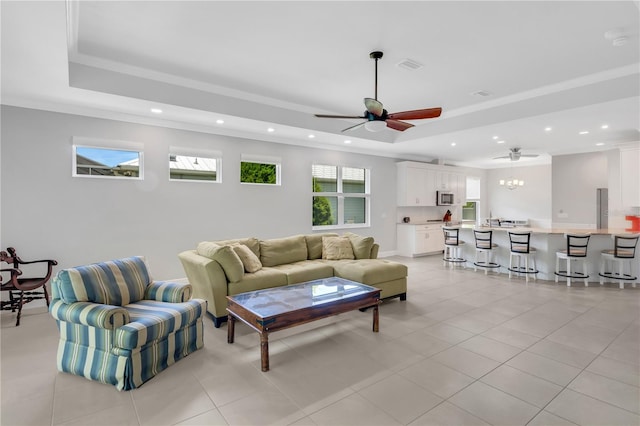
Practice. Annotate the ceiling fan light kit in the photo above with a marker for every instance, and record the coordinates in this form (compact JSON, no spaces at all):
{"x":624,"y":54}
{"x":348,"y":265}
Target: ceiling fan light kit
{"x":378,"y":118}
{"x":515,"y":154}
{"x":375,"y":126}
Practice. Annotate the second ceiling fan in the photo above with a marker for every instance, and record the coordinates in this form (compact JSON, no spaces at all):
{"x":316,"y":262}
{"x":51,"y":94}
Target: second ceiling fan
{"x":376,"y":112}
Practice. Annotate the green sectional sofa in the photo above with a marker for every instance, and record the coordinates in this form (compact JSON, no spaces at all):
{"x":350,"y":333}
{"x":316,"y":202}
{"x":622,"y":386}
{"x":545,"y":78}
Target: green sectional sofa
{"x":221,"y":268}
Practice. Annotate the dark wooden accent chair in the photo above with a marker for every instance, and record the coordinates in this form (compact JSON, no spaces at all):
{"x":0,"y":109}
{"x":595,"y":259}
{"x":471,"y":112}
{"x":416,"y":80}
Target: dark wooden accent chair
{"x":21,"y":289}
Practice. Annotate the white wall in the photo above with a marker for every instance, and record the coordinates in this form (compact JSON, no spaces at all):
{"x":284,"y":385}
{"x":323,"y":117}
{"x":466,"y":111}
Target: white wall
{"x":46,"y":213}
{"x":575,"y":180}
{"x":531,"y":201}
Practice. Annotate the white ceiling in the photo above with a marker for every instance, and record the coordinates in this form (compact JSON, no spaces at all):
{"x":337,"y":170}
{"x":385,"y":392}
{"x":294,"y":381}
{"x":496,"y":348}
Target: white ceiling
{"x":273,"y":64}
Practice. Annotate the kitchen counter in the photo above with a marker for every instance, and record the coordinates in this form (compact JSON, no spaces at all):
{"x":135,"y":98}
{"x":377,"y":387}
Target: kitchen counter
{"x":561,"y":231}
{"x":547,"y":241}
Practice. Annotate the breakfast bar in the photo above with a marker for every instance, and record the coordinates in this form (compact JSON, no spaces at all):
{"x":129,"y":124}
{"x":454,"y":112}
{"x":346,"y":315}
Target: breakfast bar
{"x":546,"y":241}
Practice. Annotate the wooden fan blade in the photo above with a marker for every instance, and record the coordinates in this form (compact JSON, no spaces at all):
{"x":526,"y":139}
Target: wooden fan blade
{"x":338,"y":116}
{"x":374,"y":106}
{"x":355,"y":127}
{"x":398,"y":125}
{"x":417,"y":114}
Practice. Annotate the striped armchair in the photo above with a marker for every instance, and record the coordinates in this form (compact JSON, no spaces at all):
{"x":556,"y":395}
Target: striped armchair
{"x":119,"y":327}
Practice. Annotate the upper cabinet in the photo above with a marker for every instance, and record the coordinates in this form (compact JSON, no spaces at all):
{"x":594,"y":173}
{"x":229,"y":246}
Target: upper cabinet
{"x":630,"y":176}
{"x":418,"y":183}
{"x":412,"y":186}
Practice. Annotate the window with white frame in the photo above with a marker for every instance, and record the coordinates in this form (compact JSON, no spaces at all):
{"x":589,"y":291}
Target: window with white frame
{"x":341,"y":196}
{"x":97,"y":158}
{"x":261,"y":170}
{"x":470,"y":210}
{"x":194,"y":165}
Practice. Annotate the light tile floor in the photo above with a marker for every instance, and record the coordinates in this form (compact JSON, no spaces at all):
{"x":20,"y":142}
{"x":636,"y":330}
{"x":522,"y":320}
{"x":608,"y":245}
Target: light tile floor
{"x":464,"y":349}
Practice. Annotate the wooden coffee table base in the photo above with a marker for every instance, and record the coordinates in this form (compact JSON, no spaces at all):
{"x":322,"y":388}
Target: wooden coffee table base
{"x":264,"y":335}
{"x":287,"y":319}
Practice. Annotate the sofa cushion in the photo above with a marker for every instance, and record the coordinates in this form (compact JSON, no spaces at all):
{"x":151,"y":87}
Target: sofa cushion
{"x":336,"y":248}
{"x":252,"y":243}
{"x":314,"y":244}
{"x":279,"y":251}
{"x":249,"y":260}
{"x":264,"y":278}
{"x":361,"y":245}
{"x":369,"y":271}
{"x":225,"y":256}
{"x":152,"y":320}
{"x":117,"y":282}
{"x":306,"y":270}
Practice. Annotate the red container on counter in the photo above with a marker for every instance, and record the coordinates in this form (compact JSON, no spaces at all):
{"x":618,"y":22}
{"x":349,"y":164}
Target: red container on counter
{"x":635,"y":223}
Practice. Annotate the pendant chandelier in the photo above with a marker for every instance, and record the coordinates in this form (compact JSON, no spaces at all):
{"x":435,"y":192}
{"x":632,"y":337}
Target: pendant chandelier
{"x":511,"y":183}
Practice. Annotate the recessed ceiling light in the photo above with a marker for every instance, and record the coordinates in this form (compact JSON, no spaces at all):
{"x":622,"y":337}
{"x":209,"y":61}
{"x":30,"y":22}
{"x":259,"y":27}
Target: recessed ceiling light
{"x":347,"y":141}
{"x":220,"y":121}
{"x":600,"y":144}
{"x":495,"y":137}
{"x":156,"y":110}
{"x":604,"y":126}
{"x":271,"y":130}
{"x":584,"y":132}
{"x":547,"y":129}
{"x":499,"y":141}
{"x":312,"y":136}
{"x":453,"y":144}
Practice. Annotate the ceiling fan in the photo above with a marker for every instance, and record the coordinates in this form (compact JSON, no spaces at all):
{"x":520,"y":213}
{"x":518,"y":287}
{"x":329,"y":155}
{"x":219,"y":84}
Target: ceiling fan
{"x":376,"y":113}
{"x":515,"y":155}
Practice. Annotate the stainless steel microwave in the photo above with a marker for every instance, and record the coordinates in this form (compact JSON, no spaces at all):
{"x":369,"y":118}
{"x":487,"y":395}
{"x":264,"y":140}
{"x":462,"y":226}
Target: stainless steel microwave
{"x":444,"y":198}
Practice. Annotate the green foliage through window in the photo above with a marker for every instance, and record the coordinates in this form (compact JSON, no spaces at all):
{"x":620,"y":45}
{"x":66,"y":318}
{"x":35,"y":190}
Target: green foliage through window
{"x":258,"y":173}
{"x":340,"y":195}
{"x":322,"y":211}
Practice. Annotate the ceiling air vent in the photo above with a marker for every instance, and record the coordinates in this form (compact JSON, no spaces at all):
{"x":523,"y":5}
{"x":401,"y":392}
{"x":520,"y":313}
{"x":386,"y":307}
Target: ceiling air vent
{"x":409,"y":64}
{"x":481,"y":93}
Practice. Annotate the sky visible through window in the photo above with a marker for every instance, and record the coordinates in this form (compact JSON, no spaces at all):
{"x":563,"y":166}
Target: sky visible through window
{"x":108,"y":157}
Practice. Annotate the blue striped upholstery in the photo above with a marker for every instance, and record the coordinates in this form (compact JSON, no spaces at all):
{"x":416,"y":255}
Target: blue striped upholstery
{"x":117,"y":282}
{"x":87,"y":313}
{"x":151,"y":320}
{"x":167,"y":291}
{"x":123,"y":344}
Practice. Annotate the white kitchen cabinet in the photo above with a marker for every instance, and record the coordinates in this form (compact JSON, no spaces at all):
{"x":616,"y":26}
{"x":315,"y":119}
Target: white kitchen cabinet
{"x":418,"y":183}
{"x":412,"y":186}
{"x":419,"y":240}
{"x":630,"y":177}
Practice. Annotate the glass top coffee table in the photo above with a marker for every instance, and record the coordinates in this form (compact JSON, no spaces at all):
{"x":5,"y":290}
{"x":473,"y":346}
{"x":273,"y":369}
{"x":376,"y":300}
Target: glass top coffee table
{"x":278,"y":308}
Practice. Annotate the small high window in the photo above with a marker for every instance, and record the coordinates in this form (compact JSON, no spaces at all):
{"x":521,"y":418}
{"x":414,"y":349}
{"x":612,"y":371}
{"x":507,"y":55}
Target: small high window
{"x":194,"y":167}
{"x":260,"y":170}
{"x":89,"y":161}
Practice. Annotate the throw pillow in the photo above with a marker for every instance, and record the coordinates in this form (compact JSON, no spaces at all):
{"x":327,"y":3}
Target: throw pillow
{"x":249,"y":259}
{"x":361,"y":245}
{"x":314,"y":244}
{"x":336,"y":248}
{"x":226,"y":257}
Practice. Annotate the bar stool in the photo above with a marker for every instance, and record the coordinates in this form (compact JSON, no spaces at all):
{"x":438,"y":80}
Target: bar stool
{"x":521,"y":249}
{"x":484,"y":248}
{"x":624,"y":252}
{"x":452,"y":247}
{"x":576,"y":250}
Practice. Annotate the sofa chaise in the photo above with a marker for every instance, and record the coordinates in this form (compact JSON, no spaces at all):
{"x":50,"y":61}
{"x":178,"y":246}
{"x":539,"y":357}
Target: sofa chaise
{"x":221,"y":268}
